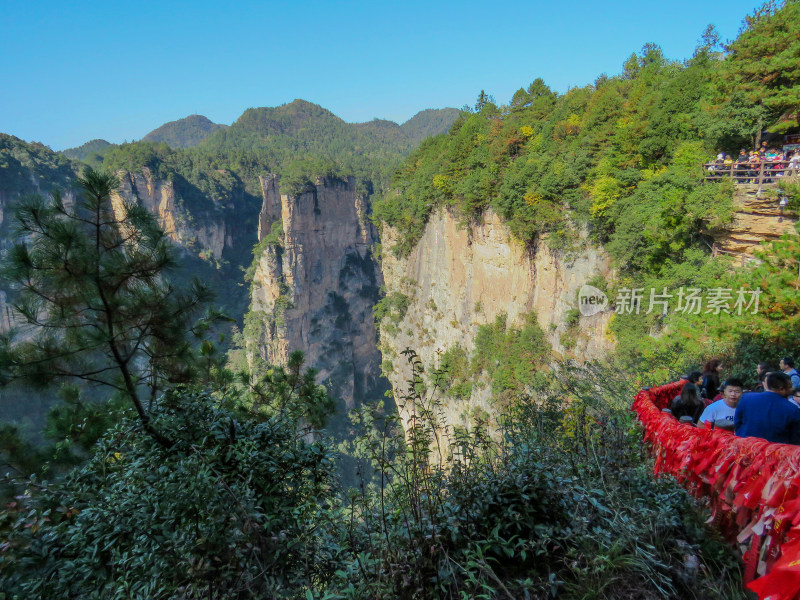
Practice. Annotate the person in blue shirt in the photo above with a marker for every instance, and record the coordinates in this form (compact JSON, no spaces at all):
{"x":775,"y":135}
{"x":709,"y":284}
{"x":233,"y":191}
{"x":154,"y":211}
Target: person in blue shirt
{"x":787,"y":366}
{"x":769,"y":415}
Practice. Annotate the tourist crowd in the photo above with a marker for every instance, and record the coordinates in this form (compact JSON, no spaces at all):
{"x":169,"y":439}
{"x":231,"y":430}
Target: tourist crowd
{"x":770,"y":410}
{"x":746,"y":166}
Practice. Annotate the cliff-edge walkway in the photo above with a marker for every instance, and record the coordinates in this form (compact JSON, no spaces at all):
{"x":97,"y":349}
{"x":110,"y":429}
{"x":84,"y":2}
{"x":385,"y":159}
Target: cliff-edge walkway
{"x":752,"y":486}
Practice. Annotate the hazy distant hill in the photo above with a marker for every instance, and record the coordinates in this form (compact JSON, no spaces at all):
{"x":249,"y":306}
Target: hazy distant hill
{"x":426,"y":123}
{"x":301,"y":138}
{"x":298,"y":141}
{"x":91,"y":147}
{"x":184,"y":133}
{"x":314,"y":127}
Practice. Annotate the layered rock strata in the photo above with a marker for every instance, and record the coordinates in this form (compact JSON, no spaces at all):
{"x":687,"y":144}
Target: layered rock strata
{"x":457,"y":279}
{"x":315,"y":284}
{"x":759,"y":217}
{"x":203,"y":232}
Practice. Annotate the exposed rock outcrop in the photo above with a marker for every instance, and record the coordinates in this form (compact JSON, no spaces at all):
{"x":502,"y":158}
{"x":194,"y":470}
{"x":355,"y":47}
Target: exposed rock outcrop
{"x":457,"y":279}
{"x":314,"y":289}
{"x":206,"y":232}
{"x":758,"y":218}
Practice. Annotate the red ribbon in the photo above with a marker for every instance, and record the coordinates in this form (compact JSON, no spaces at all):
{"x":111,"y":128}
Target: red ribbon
{"x":753,"y":487}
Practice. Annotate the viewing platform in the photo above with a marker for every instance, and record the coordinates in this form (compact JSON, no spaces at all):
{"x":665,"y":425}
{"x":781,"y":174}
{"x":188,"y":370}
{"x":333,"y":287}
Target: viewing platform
{"x":759,"y":174}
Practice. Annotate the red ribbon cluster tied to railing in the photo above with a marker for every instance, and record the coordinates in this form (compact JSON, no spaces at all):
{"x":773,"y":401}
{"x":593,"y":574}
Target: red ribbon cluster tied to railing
{"x":753,"y":487}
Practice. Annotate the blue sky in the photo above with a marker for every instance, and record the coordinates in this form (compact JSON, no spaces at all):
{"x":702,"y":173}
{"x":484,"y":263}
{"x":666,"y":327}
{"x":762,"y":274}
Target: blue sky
{"x":117,"y":70}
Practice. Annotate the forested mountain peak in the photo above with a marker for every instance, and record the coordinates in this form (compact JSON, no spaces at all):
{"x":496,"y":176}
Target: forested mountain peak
{"x":81,"y":152}
{"x":378,"y":124}
{"x":31,"y":166}
{"x":184,"y":133}
{"x":283,"y":119}
{"x":429,"y":122}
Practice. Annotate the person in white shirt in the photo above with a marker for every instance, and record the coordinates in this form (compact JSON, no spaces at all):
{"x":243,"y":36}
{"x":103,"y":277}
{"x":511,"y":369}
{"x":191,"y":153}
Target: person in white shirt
{"x":724,"y":408}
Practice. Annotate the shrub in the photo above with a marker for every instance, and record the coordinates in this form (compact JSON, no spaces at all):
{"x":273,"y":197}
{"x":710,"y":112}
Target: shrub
{"x":236,"y":508}
{"x":558,"y":503}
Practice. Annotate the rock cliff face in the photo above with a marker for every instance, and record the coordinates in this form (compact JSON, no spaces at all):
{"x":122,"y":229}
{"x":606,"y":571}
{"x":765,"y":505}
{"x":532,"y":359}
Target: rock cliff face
{"x":314,"y":286}
{"x":203,"y":231}
{"x":457,"y":279}
{"x":758,"y":218}
{"x":216,"y":235}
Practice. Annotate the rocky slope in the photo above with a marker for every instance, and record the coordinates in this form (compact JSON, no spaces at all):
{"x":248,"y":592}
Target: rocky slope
{"x":758,"y":218}
{"x":314,"y":285}
{"x":207,"y":231}
{"x":215,"y":234}
{"x":457,"y":279}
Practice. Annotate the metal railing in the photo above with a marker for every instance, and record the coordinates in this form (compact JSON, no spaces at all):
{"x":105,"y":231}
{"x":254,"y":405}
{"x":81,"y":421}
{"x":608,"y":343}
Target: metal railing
{"x":759,"y":173}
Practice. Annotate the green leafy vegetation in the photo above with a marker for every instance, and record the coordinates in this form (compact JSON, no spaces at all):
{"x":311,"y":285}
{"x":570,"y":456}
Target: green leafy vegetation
{"x":91,"y":152}
{"x":622,"y":161}
{"x":235,"y":495}
{"x":235,"y":509}
{"x":512,"y":356}
{"x":614,"y":156}
{"x":245,"y":505}
{"x":563,"y":507}
{"x":756,"y":331}
{"x":762,"y":70}
{"x":457,"y":380}
{"x":183,"y":133}
{"x":428,"y":123}
{"x":24,"y":166}
{"x":300,"y":141}
{"x":88,"y":286}
{"x":607,"y":156}
{"x":390,"y":310}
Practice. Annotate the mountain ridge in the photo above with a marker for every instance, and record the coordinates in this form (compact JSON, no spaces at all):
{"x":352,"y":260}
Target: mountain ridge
{"x":184,"y":133}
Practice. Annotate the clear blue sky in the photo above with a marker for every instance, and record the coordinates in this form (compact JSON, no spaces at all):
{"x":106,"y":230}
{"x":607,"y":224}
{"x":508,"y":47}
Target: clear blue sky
{"x":71,"y":72}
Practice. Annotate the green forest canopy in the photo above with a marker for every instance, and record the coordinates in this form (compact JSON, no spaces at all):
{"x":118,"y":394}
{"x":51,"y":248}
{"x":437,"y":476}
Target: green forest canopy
{"x":299,"y":141}
{"x":620,"y":159}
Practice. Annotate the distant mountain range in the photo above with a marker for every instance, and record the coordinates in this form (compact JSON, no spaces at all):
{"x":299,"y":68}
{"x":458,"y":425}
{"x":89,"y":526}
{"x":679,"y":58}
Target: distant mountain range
{"x":288,"y":119}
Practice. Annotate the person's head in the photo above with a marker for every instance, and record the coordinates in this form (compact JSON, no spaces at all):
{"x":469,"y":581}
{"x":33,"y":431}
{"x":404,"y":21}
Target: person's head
{"x":780,"y":383}
{"x":690,"y":394}
{"x":796,"y":394}
{"x":713,"y":366}
{"x":787,"y":363}
{"x":732,"y":391}
{"x":761,"y":370}
{"x":695,"y":377}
